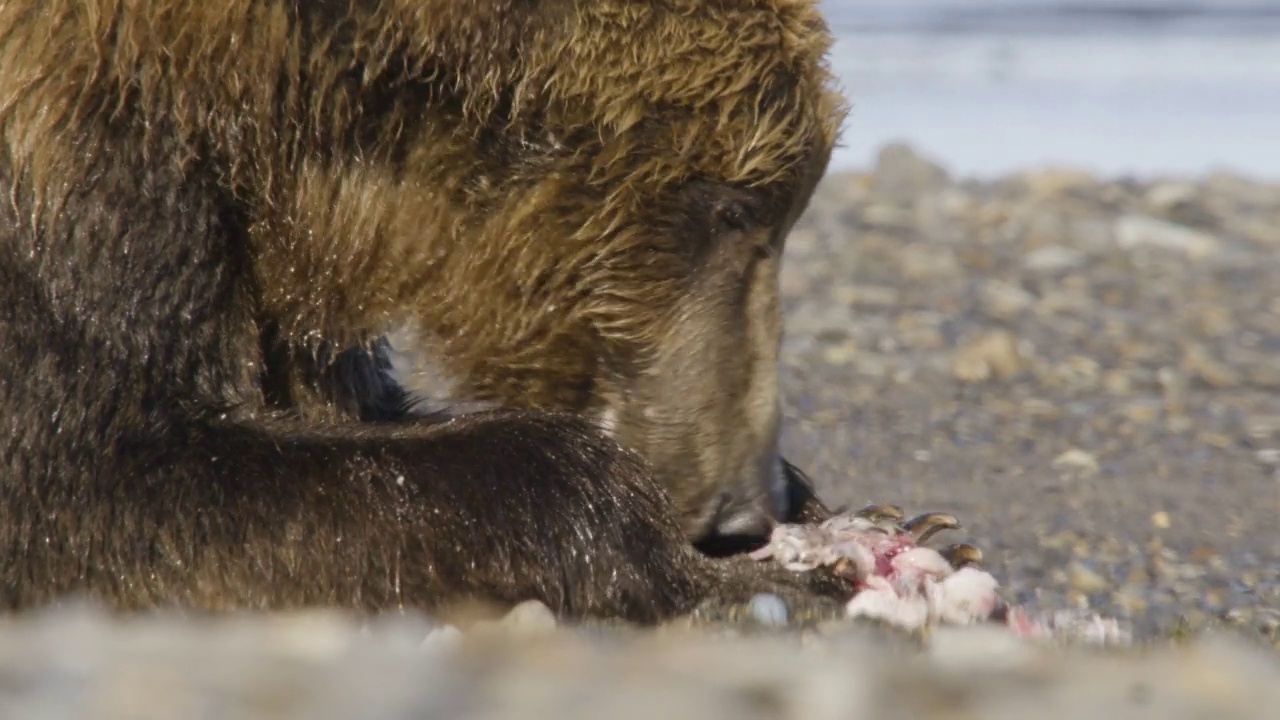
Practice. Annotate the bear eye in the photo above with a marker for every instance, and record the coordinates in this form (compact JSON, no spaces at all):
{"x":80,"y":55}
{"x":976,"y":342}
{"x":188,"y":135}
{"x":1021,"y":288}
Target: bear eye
{"x":732,"y":216}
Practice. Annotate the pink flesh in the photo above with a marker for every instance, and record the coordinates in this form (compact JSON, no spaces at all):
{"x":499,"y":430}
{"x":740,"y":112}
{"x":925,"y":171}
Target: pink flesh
{"x":910,"y":585}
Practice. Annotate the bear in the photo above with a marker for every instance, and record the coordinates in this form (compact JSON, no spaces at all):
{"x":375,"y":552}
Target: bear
{"x":402,"y":303}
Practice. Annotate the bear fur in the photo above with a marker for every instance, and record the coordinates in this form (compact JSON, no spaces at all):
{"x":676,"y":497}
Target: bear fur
{"x":398,"y":304}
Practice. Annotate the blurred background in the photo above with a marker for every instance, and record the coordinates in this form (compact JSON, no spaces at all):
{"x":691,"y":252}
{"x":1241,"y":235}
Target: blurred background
{"x":1132,"y":87}
{"x":1038,"y":290}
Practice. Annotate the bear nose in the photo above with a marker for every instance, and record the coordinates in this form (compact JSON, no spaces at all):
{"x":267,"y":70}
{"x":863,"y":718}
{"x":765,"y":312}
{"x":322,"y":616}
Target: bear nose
{"x":744,"y":519}
{"x":736,"y":526}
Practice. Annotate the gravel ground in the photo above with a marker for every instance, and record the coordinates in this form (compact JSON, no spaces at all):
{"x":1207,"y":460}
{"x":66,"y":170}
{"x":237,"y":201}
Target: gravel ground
{"x":1085,"y":372}
{"x":1082,"y":370}
{"x":79,"y":664}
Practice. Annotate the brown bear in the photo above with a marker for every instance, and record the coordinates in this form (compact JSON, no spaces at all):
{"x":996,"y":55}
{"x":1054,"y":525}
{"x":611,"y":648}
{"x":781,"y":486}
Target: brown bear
{"x":400,"y":303}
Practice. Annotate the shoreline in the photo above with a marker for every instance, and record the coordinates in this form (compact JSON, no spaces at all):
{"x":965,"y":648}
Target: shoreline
{"x":988,"y":104}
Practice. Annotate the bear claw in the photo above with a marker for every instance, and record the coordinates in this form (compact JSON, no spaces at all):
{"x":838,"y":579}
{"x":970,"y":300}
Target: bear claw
{"x":922,"y":527}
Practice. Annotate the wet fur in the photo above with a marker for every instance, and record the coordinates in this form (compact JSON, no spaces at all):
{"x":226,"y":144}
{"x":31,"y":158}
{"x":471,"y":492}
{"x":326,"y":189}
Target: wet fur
{"x":211,"y":215}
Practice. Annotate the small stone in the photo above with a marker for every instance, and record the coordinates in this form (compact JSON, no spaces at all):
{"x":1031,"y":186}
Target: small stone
{"x":1198,"y":363}
{"x":1240,"y":188}
{"x":1262,"y":232}
{"x":1161,"y":520}
{"x":1268,"y":620}
{"x":1077,"y":459}
{"x":1052,"y":182}
{"x":839,"y":355}
{"x":1041,"y":409}
{"x":445,"y":637}
{"x":768,"y":609}
{"x":868,"y":296}
{"x":1085,"y":579}
{"x":923,"y":262}
{"x":530,"y":618}
{"x":1133,"y":231}
{"x":1117,"y":382}
{"x":1092,"y":234}
{"x":994,"y":354}
{"x":1164,"y":195}
{"x":1004,"y":300}
{"x":978,"y":648}
{"x":1053,"y":259}
{"x":1130,"y":598}
{"x":1268,"y":456}
{"x":1260,"y":427}
{"x":311,"y":634}
{"x":1079,"y":372}
{"x":1141,"y":411}
{"x":885,"y":216}
{"x":901,"y":174}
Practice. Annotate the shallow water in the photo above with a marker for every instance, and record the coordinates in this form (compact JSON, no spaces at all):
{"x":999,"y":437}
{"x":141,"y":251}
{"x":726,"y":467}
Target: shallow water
{"x":991,"y":91}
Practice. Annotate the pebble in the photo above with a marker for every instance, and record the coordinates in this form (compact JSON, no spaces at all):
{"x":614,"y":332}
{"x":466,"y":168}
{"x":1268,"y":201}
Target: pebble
{"x":769,"y":610}
{"x":923,"y":263}
{"x":1085,"y":579}
{"x":981,"y":648}
{"x":1077,"y":459}
{"x":1051,"y":182}
{"x":1054,"y":259}
{"x":992,"y":355}
{"x":1133,"y":231}
{"x":1163,"y":196}
{"x":1004,"y":300}
{"x":530,"y":618}
{"x":901,"y":172}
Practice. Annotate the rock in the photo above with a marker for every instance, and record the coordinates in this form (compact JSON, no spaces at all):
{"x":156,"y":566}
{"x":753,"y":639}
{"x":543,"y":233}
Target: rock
{"x":1092,"y":234}
{"x":994,"y":354}
{"x":1130,"y":598}
{"x":1005,"y":300}
{"x":1199,"y":364}
{"x":1265,"y":232}
{"x":1268,"y":456}
{"x":1163,"y":196}
{"x":901,"y":174}
{"x":1076,"y":459}
{"x":445,"y":637}
{"x":923,"y":262}
{"x":1085,"y":579}
{"x":840,"y":354}
{"x":530,"y":618}
{"x":769,"y":610}
{"x":1053,"y":259}
{"x":1053,"y":182}
{"x":885,"y":216}
{"x":1134,"y":231}
{"x":974,"y":649}
{"x":1241,"y":190}
{"x":868,"y":296}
